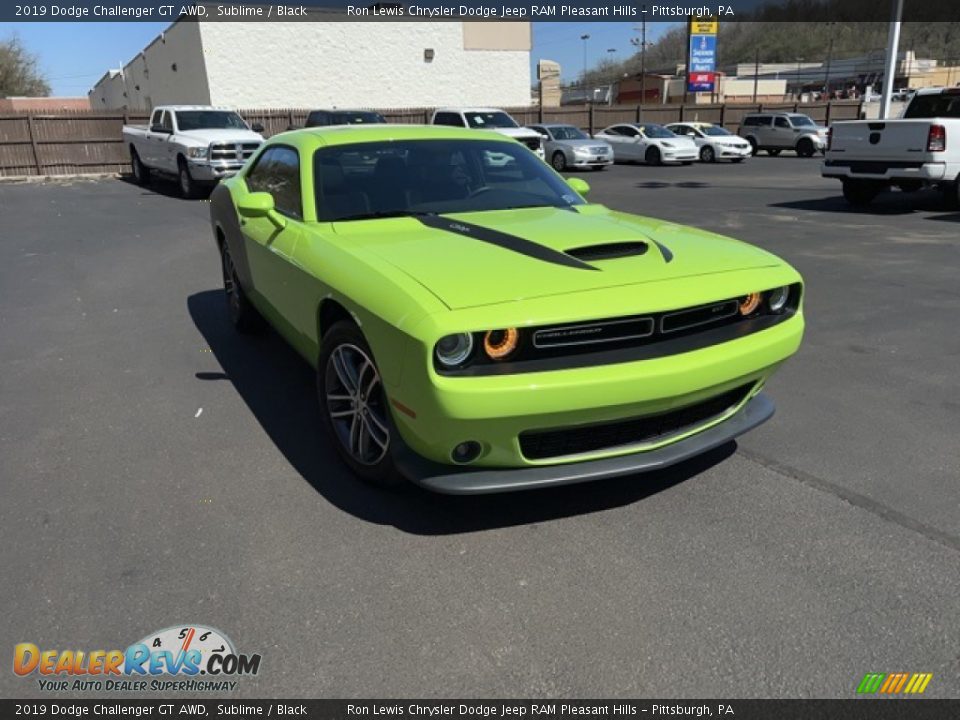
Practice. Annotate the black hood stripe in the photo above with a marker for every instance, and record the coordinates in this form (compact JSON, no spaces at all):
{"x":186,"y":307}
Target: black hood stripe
{"x":508,"y":242}
{"x":664,"y":250}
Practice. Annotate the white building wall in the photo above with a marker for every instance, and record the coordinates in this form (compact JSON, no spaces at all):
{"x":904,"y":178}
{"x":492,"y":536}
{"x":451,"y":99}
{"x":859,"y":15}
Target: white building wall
{"x":364,"y":64}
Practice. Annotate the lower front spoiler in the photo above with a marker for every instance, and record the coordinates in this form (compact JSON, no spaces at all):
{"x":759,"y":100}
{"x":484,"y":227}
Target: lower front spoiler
{"x":460,"y":480}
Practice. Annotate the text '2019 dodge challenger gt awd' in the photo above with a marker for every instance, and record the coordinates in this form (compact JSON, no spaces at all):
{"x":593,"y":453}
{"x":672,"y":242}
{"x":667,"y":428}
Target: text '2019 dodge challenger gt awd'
{"x":477,"y":326}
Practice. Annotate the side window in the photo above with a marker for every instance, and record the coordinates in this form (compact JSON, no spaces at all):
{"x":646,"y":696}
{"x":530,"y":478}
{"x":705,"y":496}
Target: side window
{"x":278,"y":172}
{"x":683,"y":130}
{"x":448,"y":118}
{"x":316,"y":119}
{"x":166,"y":122}
{"x":782,"y":123}
{"x":628,"y":131}
{"x":156,"y":117}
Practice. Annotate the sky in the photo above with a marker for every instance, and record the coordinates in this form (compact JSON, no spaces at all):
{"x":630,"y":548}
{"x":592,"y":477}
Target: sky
{"x":74,"y":55}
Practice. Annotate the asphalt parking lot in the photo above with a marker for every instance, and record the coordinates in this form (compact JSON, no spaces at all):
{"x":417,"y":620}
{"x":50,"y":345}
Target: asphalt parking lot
{"x":160,"y":470}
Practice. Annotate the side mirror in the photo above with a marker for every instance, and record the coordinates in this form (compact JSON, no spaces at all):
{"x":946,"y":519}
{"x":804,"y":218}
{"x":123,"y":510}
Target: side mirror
{"x":260,"y":204}
{"x":581,"y":186}
{"x":257,"y":127}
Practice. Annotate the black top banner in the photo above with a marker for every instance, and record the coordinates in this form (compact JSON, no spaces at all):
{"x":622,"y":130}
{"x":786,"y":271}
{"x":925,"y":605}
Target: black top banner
{"x":476,"y":10}
{"x":488,"y":709}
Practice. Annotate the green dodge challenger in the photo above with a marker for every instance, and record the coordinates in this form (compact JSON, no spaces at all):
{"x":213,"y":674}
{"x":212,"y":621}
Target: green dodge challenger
{"x":477,"y":326}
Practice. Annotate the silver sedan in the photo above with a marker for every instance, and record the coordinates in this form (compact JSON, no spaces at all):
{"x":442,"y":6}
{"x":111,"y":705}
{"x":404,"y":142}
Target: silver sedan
{"x":566,"y":146}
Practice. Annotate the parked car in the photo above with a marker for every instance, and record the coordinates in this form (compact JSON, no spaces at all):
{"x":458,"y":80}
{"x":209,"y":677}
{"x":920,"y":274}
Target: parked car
{"x":568,"y":146}
{"x":478,"y":328}
{"x":323,"y":118}
{"x":778,"y":131}
{"x":919,"y":149}
{"x":197,"y":144}
{"x":649,"y":143}
{"x":489,"y":119}
{"x":714,"y":142}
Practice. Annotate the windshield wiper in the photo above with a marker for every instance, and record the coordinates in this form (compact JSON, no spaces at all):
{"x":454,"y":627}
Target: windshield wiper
{"x":379,"y":214}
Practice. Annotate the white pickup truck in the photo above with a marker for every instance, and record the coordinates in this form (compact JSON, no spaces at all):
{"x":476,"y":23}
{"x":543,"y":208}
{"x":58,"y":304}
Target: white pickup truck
{"x":920,"y":148}
{"x":197,"y":144}
{"x":489,"y":119}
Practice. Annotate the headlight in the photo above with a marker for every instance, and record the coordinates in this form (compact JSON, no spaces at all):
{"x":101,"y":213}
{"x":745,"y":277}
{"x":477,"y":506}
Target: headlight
{"x":499,"y":344}
{"x":581,"y":151}
{"x":196,"y":152}
{"x":666,"y":144}
{"x":777,"y":299}
{"x":749,"y":303}
{"x":452,"y":350}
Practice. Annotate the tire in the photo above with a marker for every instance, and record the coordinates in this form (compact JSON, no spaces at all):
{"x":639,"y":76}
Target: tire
{"x":860,"y":193}
{"x":707,"y":154}
{"x":773,"y":152}
{"x":754,"y":148}
{"x":806,"y":148}
{"x":141,"y":173}
{"x":243,"y":316}
{"x":188,"y":186}
{"x":951,"y":194}
{"x":354,"y":407}
{"x":652,"y":156}
{"x":559,"y":161}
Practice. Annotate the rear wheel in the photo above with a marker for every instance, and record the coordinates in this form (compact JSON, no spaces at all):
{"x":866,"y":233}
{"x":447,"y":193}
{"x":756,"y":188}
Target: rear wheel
{"x":707,"y":154}
{"x":951,"y":193}
{"x":141,"y":173}
{"x":243,"y":316}
{"x":860,"y":193}
{"x":559,"y":161}
{"x":652,"y":156}
{"x":805,"y":148}
{"x":354,"y":406}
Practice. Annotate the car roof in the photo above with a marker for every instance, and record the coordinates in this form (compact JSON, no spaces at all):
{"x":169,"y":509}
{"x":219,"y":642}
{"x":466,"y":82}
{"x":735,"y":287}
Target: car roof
{"x":937,"y":90}
{"x":554,"y":124}
{"x":470,"y":109}
{"x":691,"y":124}
{"x":343,"y":110}
{"x":349,"y":134}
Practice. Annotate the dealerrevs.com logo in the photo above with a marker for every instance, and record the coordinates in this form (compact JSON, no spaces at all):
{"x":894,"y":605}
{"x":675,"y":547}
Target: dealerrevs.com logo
{"x":188,"y":658}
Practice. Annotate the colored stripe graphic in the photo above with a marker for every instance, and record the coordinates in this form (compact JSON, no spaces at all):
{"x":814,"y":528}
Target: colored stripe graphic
{"x":894,"y":683}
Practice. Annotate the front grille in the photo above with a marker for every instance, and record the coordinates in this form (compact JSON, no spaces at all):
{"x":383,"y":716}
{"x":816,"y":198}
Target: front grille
{"x":544,"y":444}
{"x":695,"y":317}
{"x":592,"y":333}
{"x":233,"y":152}
{"x":532,"y":144}
{"x":599,"y":150}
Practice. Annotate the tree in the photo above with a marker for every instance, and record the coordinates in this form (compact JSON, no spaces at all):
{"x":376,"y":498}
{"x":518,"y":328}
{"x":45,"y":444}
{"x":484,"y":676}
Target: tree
{"x":19,"y":71}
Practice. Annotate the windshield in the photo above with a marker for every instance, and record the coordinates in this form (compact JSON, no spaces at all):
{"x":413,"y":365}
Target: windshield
{"x":715,"y":130}
{"x":931,"y":106}
{"x":801,"y":121}
{"x":209,"y":120}
{"x":568,"y":132}
{"x":655,"y":131}
{"x":422,"y":177}
{"x":358,"y":117}
{"x":489,"y":120}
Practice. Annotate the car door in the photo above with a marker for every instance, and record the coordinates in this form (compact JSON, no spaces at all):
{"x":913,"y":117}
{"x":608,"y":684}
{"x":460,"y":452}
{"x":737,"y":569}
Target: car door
{"x":781,"y":133}
{"x":270,"y":248}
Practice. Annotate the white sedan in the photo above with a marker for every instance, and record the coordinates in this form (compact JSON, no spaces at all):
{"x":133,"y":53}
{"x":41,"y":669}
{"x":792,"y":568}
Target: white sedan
{"x":648,"y":142}
{"x":714,"y":142}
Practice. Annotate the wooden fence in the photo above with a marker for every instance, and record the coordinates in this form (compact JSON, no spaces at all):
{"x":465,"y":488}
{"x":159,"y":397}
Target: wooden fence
{"x":68,"y":143}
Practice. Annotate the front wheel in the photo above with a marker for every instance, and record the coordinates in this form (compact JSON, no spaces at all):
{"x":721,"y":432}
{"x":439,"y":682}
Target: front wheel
{"x":652,"y":156}
{"x":860,"y":193}
{"x":805,"y":148}
{"x":707,"y":154}
{"x":559,"y":161}
{"x":188,"y":187}
{"x":353,"y":405}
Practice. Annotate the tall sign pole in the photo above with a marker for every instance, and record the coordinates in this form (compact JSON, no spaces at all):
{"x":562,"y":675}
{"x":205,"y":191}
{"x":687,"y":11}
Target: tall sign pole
{"x":702,"y":56}
{"x":893,"y":42}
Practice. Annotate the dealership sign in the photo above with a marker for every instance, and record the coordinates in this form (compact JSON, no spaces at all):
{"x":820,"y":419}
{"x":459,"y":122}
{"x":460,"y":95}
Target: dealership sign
{"x":702,"y":56}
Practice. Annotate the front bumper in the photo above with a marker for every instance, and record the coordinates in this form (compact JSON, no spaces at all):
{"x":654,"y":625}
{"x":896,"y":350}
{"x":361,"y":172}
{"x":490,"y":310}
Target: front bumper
{"x":458,"y":480}
{"x":680,"y":156}
{"x":206,"y":171}
{"x":734,"y":152}
{"x":592,"y":160}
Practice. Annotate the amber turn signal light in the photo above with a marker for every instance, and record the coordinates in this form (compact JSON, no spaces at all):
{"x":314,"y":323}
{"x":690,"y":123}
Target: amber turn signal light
{"x":749,"y":303}
{"x":498,"y":344}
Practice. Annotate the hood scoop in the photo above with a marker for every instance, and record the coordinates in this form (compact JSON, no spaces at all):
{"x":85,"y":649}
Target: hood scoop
{"x":608,"y":251}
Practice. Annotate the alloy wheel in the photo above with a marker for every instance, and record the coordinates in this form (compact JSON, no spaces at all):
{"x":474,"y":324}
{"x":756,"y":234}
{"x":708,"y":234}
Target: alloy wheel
{"x":355,"y":404}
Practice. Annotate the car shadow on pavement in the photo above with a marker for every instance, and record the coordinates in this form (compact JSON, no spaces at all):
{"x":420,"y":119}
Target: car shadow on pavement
{"x":165,"y":186}
{"x":278,"y":387}
{"x":886,"y":203}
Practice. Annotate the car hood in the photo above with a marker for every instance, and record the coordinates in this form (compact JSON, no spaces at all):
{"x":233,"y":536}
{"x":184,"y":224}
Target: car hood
{"x":468,"y":271}
{"x":221,"y":136}
{"x":524,"y":133}
{"x":587,"y":142}
{"x":678,"y":141}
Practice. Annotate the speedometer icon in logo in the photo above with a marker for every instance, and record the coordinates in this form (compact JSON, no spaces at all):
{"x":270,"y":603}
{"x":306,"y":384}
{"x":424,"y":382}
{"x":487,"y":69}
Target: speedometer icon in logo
{"x":198,"y":642}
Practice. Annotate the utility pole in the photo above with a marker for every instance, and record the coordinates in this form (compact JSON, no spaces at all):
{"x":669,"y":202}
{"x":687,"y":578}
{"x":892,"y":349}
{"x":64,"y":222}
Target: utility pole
{"x":893,"y":42}
{"x":826,"y":75}
{"x":642,"y":44}
{"x":585,"y":37}
{"x":756,"y":72}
